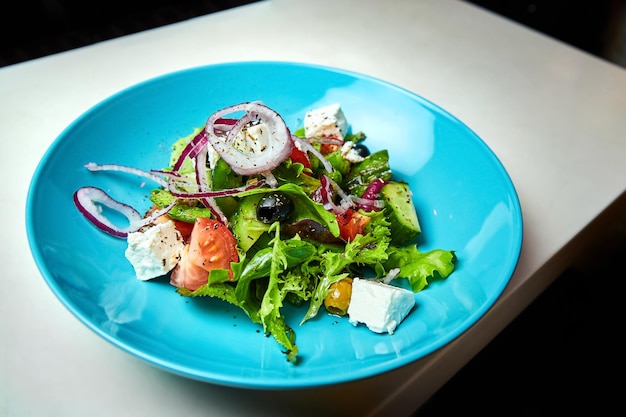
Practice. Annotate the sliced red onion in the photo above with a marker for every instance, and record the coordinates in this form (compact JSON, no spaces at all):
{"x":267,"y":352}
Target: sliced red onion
{"x":255,"y":162}
{"x":327,"y":140}
{"x":171,"y":175}
{"x":369,"y":200}
{"x":224,"y":125}
{"x":304,"y":145}
{"x":203,"y":185}
{"x":215,"y":210}
{"x":190,"y":151}
{"x":324,"y":195}
{"x":346,"y":201}
{"x":368,"y":205}
{"x":87,"y":199}
{"x":373,"y":189}
{"x":152,"y":216}
{"x":215,"y":193}
{"x":200,"y":141}
{"x":200,"y":167}
{"x":270,"y":179}
{"x":92,"y":166}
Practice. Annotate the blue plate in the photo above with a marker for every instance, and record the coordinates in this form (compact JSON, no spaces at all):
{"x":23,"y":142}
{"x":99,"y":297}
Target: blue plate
{"x":464,"y":197}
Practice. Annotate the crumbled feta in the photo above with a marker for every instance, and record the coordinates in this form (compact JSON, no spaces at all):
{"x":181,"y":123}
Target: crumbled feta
{"x":253,"y":139}
{"x":381,"y":307}
{"x":349,"y":153}
{"x":155,"y":251}
{"x":328,"y":122}
{"x":212,"y":157}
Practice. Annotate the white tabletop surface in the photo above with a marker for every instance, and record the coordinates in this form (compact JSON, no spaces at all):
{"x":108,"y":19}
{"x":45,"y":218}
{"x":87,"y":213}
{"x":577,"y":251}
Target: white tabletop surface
{"x":554,"y":116}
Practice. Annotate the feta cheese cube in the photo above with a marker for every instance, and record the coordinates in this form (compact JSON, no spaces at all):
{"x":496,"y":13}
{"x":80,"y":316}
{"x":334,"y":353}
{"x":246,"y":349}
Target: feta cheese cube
{"x":154,"y":251}
{"x":327,"y":122}
{"x":381,"y":307}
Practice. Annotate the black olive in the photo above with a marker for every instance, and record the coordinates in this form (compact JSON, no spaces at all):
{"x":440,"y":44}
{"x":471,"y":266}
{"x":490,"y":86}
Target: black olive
{"x":274,"y":207}
{"x":361,"y":150}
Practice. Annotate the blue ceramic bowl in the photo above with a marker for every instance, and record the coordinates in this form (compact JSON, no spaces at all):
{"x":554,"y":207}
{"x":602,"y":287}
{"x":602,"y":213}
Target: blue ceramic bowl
{"x":464,"y":198}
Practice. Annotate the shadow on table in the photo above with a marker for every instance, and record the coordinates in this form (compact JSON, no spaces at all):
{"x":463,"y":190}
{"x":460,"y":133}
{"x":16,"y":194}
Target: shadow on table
{"x":32,"y":29}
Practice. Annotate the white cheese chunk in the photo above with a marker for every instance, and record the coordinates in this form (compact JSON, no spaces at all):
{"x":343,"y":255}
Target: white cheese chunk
{"x":253,"y":139}
{"x":155,"y":251}
{"x":328,"y":122}
{"x":349,"y":153}
{"x":381,"y":307}
{"x":212,"y":157}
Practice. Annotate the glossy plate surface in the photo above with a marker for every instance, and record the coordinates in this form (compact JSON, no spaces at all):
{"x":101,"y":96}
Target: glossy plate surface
{"x":464,"y":197}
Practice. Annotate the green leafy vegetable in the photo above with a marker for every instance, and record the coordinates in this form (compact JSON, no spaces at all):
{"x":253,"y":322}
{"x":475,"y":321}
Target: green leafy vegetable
{"x":277,"y":267}
{"x":421,"y":267}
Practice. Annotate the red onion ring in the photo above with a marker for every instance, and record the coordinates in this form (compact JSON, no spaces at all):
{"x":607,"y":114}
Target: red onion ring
{"x":278,"y":149}
{"x":87,"y":199}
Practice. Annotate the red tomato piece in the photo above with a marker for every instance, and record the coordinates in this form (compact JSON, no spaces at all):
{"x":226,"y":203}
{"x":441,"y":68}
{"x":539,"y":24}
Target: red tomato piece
{"x":351,"y":223}
{"x":184,"y":228}
{"x":328,"y":148}
{"x":211,"y":246}
{"x":298,"y":156}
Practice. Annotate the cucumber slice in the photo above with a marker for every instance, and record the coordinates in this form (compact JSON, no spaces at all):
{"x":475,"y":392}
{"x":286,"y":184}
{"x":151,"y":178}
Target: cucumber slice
{"x":245,"y":225}
{"x":400,"y":211}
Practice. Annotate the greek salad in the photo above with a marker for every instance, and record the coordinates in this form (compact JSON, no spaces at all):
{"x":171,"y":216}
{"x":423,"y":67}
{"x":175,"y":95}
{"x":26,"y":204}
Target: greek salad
{"x":260,"y":216}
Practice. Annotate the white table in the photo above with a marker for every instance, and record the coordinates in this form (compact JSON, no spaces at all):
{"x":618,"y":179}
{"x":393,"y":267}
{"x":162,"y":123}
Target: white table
{"x":554,"y":116}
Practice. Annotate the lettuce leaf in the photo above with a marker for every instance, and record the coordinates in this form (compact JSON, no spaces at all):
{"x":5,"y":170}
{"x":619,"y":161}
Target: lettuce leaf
{"x":294,"y":251}
{"x":306,"y":208}
{"x":277,"y":289}
{"x":420,"y":268}
{"x":365,"y":250}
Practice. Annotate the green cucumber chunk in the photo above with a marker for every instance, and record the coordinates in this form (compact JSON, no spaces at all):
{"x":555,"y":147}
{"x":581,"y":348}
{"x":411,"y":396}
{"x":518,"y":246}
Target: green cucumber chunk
{"x":400,"y":211}
{"x":182,"y":212}
{"x":245,"y":225}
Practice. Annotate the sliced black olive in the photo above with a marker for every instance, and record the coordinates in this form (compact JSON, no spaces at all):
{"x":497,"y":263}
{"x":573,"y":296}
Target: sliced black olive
{"x":361,"y":150}
{"x":274,"y":207}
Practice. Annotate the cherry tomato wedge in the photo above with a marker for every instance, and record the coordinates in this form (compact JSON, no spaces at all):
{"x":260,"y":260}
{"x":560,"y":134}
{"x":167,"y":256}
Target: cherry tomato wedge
{"x":328,"y":148}
{"x":351,"y":223}
{"x":211,"y":246}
